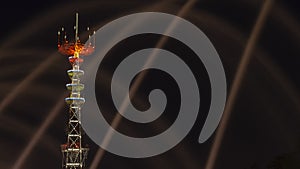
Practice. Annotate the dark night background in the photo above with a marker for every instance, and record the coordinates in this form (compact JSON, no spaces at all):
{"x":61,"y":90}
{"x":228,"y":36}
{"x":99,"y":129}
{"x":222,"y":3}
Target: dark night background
{"x":263,"y":130}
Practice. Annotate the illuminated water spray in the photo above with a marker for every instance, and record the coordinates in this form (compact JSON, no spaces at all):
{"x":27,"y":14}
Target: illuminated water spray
{"x":74,"y":153}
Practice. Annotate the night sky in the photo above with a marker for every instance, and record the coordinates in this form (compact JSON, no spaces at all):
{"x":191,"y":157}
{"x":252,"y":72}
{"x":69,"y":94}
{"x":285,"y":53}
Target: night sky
{"x":263,"y":129}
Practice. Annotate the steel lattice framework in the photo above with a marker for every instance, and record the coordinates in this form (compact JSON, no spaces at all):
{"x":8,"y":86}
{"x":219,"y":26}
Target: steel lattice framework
{"x":74,"y":153}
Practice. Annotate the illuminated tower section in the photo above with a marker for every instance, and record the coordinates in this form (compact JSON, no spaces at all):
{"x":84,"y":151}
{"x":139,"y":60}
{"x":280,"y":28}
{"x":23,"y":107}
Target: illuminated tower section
{"x":74,"y":153}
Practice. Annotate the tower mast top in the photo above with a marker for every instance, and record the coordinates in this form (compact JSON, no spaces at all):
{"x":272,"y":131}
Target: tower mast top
{"x":74,"y":48}
{"x":76,"y":28}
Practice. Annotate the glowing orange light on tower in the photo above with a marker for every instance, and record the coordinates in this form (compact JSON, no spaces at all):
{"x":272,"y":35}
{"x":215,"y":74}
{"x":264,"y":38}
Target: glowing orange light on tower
{"x":76,"y":48}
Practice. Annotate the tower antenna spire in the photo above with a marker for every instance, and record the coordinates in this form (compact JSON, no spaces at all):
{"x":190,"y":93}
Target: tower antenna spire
{"x":76,"y":28}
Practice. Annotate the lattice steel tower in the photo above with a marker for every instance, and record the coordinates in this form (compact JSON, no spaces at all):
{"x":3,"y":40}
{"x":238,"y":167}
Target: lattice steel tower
{"x":74,"y":153}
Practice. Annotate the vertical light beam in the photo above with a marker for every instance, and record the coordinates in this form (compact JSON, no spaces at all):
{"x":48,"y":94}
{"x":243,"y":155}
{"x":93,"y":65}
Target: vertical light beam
{"x":25,"y":83}
{"x":39,"y":133}
{"x":136,"y":84}
{"x":241,"y":70}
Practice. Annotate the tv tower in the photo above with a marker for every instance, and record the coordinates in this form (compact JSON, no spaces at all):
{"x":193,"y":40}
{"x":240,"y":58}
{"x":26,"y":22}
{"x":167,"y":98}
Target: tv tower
{"x":74,"y":153}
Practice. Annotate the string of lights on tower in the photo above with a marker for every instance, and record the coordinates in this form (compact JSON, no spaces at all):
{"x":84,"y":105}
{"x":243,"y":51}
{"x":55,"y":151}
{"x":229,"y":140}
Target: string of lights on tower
{"x":73,"y":152}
